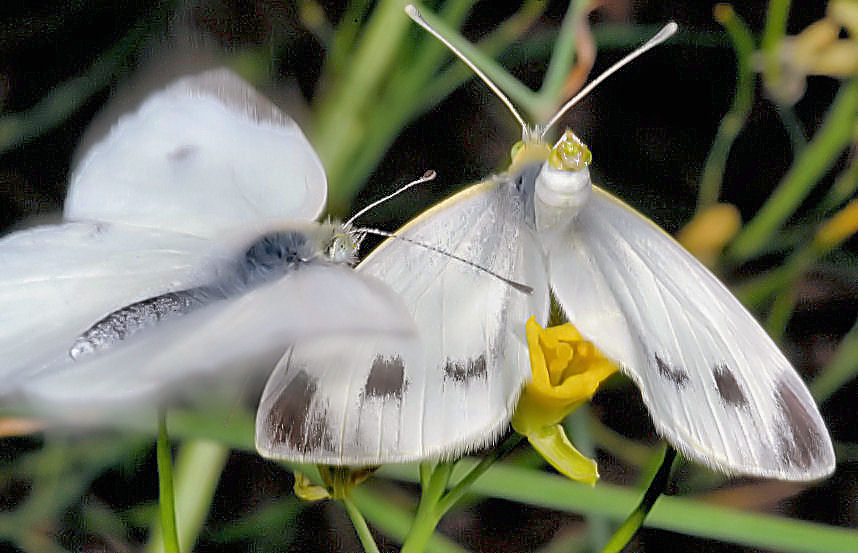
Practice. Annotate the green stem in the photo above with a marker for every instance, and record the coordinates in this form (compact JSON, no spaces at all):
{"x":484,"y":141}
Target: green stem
{"x":166,"y":501}
{"x":428,"y":515}
{"x":773,"y":36}
{"x":388,"y":517}
{"x":635,"y":520}
{"x":519,"y":94}
{"x":199,"y":464}
{"x":434,"y":503}
{"x":360,"y":525}
{"x":793,"y":127}
{"x":339,"y":114}
{"x":562,"y":58}
{"x":463,"y":485}
{"x":841,"y":369}
{"x":732,"y":123}
{"x":833,"y":136}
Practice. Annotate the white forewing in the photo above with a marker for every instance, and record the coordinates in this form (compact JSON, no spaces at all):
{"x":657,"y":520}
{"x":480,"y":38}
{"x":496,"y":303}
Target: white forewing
{"x":716,"y":385}
{"x":233,"y":336}
{"x":448,"y":391}
{"x":56,"y":281}
{"x":204,"y":155}
{"x":192,"y":251}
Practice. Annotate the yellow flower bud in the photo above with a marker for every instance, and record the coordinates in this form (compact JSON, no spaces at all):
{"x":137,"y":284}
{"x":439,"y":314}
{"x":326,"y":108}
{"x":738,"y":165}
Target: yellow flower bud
{"x":840,"y":227}
{"x":339,"y":482}
{"x":306,"y":490}
{"x":567,"y":370}
{"x":709,"y":231}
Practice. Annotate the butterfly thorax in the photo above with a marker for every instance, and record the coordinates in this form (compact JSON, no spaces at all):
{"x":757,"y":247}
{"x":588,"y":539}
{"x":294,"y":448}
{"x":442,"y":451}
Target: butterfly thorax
{"x":563,"y":184}
{"x":266,"y":258}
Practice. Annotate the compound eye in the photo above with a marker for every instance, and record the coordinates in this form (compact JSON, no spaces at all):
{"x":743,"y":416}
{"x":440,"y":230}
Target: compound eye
{"x":342,"y":248}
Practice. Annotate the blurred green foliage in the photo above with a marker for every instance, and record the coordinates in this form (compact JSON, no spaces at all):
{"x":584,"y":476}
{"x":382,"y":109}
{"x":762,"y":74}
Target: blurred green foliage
{"x":381,"y":73}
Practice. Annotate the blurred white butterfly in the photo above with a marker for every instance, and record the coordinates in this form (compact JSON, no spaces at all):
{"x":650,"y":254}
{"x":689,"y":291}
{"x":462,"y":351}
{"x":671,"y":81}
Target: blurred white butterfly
{"x":188,"y":248}
{"x":716,"y":385}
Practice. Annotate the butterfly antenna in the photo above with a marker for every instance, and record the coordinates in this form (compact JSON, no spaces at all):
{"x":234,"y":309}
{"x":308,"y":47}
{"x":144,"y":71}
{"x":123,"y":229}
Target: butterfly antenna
{"x":427,"y":176}
{"x":665,"y":33}
{"x":414,"y":14}
{"x":524,"y":288}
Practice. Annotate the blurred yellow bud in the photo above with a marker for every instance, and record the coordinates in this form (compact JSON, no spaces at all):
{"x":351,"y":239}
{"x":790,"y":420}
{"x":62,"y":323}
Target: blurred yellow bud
{"x":709,"y":231}
{"x":840,"y":227}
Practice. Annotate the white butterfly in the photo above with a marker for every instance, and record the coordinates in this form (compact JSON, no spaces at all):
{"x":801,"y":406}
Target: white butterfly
{"x":716,"y":385}
{"x":188,"y":248}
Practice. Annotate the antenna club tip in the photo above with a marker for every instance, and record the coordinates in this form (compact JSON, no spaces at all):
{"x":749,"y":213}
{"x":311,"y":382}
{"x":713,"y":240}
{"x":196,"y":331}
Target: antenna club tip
{"x":670,"y":28}
{"x":412,"y":11}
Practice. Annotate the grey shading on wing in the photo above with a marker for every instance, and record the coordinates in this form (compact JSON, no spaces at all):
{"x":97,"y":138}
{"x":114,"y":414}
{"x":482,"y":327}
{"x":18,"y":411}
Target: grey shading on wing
{"x":206,"y":154}
{"x":224,"y":338}
{"x":716,"y":385}
{"x":450,"y":390}
{"x":60,"y":280}
{"x":55,"y":281}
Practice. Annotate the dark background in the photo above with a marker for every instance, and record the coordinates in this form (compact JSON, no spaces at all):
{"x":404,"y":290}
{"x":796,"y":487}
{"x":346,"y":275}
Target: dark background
{"x":649,"y":127}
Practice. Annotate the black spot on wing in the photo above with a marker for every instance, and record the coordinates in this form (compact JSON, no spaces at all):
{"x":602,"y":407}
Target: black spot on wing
{"x":677,"y":375}
{"x":463,"y":371}
{"x":799,"y":441}
{"x":386,"y":378}
{"x":182,"y":153}
{"x":728,"y":387}
{"x":296,"y":420}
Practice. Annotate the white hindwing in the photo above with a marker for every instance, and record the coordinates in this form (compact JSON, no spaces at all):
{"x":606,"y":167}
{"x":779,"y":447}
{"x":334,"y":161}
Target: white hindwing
{"x":716,"y":385}
{"x":449,"y":391}
{"x":169,"y":203}
{"x":204,"y":155}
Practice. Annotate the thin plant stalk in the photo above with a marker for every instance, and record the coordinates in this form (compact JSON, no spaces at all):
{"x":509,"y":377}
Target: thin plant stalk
{"x":434,"y":503}
{"x":635,"y":520}
{"x":166,"y":500}
{"x":835,"y":133}
{"x":360,"y":525}
{"x":732,"y":123}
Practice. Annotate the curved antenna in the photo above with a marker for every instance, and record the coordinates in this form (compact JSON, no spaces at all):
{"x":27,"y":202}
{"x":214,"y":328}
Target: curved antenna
{"x":414,"y":14}
{"x":523,"y":288}
{"x":665,"y":33}
{"x":427,"y":176}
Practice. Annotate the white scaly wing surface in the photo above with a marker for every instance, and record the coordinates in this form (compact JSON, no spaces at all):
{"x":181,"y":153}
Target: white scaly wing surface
{"x":56,"y":281}
{"x":448,"y":391}
{"x":206,"y":154}
{"x":162,"y":204}
{"x":716,"y":385}
{"x":226,"y":339}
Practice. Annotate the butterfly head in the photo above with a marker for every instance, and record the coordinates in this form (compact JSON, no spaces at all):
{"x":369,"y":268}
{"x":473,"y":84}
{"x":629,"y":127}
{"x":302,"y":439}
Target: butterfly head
{"x":563,"y":184}
{"x":343,"y":245}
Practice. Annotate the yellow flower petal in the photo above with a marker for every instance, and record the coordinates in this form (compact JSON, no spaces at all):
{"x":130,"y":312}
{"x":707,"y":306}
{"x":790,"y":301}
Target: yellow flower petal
{"x":566,"y":370}
{"x":551,"y":442}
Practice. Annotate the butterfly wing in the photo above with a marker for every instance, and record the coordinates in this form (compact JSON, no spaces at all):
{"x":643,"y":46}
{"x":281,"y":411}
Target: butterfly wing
{"x":451,"y":389}
{"x":716,"y":385}
{"x":57,"y":280}
{"x":224,"y":338}
{"x":206,"y":154}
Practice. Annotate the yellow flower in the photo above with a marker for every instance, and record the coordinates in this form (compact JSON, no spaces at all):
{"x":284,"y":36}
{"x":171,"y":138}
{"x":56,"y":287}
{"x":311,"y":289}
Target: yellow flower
{"x":567,"y":370}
